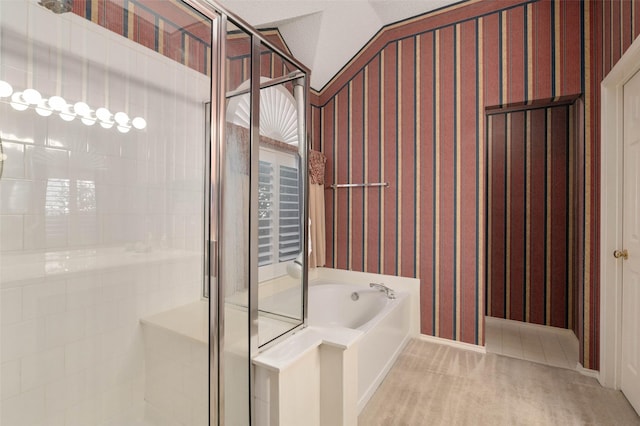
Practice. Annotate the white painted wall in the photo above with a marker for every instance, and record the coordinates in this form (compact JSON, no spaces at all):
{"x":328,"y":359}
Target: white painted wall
{"x":73,"y":285}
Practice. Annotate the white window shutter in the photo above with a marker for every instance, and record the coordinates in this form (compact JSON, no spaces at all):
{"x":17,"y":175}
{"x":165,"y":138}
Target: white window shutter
{"x":289,"y":220}
{"x":266,"y":200}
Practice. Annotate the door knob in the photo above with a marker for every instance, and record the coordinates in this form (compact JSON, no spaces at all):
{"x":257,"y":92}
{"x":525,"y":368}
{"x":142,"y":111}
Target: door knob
{"x":621,"y":254}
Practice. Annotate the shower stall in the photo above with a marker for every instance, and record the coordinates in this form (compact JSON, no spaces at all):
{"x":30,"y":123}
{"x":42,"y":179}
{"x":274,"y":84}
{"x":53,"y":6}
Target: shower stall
{"x":153,"y":211}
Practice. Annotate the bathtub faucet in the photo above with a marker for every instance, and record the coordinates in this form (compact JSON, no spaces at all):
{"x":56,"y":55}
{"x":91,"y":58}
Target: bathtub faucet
{"x":383,"y":288}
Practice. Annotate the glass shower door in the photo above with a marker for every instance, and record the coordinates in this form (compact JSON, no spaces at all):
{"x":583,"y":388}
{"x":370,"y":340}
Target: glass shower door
{"x":263,"y":194}
{"x":102,"y":122}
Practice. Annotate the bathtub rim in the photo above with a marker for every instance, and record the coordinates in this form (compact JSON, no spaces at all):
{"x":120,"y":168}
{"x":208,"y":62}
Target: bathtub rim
{"x":397,"y":283}
{"x":388,"y":304}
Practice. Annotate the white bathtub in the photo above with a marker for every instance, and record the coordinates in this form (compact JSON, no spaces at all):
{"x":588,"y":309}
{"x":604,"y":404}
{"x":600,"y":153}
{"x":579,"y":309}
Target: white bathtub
{"x":385,"y":324}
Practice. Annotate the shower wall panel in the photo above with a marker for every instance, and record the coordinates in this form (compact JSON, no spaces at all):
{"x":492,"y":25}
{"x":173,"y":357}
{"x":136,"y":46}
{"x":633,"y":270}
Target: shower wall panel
{"x":98,"y":228}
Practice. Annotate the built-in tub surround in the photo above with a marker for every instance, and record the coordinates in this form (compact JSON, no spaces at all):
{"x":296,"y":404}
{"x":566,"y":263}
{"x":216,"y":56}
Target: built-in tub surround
{"x":320,"y":375}
{"x":384,"y":323}
{"x":325,"y":374}
{"x":344,"y":305}
{"x":364,"y":279}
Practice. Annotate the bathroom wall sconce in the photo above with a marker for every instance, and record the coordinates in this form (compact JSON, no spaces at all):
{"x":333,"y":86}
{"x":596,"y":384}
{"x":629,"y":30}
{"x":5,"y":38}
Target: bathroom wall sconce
{"x":31,"y":98}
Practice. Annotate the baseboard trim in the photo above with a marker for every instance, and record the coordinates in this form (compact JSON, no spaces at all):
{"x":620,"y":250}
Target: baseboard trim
{"x":453,"y":343}
{"x":587,"y":372}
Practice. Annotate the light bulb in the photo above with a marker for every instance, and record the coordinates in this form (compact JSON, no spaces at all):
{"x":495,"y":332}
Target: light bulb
{"x":121,"y":118}
{"x":81,"y":108}
{"x":17,"y":102}
{"x":88,"y":121}
{"x":42,"y":109}
{"x":103,"y":114}
{"x":67,"y":115}
{"x":5,"y":89}
{"x":139,"y":123}
{"x":31,"y":96}
{"x":124,"y":129}
{"x":106,"y":124}
{"x":57,"y":103}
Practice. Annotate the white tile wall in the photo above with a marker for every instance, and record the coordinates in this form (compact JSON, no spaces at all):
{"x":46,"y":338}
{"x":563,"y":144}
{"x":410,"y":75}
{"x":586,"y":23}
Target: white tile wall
{"x":24,"y":409}
{"x":72,"y":286}
{"x":42,"y":367}
{"x":11,"y":306}
{"x":10,"y":379}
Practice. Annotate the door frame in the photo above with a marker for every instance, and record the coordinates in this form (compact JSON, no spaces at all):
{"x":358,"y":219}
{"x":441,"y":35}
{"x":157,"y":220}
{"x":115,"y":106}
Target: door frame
{"x":611,"y":177}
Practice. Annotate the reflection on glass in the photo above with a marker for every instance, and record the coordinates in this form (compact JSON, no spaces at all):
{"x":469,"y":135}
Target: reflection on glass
{"x":278,"y":116}
{"x":280,"y":270}
{"x":272,"y":65}
{"x":278,"y":179}
{"x":279,"y":205}
{"x":238,"y":62}
{"x":86,"y":196}
{"x":104,"y":153}
{"x":234,"y":247}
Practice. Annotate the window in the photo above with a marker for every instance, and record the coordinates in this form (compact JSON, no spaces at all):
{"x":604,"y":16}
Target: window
{"x":279,"y":239}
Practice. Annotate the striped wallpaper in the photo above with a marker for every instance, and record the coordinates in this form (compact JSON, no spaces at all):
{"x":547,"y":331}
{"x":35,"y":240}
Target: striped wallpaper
{"x":178,"y":32}
{"x":410,"y":109}
{"x":238,"y":62}
{"x":530,"y":229}
{"x":170,"y":28}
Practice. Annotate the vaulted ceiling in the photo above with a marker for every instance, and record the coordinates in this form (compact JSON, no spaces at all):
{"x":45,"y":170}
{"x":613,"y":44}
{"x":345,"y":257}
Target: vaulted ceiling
{"x":326,"y":34}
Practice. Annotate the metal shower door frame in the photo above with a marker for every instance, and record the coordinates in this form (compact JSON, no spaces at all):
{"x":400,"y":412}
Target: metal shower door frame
{"x":215,"y":150}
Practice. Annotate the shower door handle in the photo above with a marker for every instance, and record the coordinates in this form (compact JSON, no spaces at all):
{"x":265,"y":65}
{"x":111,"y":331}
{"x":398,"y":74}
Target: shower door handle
{"x":213,"y":258}
{"x":210,"y":266}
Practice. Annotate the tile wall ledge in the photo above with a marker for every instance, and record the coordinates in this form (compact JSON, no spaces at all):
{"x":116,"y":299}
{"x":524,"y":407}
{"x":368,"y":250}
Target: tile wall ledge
{"x":190,"y":321}
{"x":283,"y":355}
{"x":25,"y":266}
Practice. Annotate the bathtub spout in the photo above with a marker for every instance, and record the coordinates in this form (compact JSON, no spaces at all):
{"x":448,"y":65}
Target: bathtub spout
{"x":383,"y":288}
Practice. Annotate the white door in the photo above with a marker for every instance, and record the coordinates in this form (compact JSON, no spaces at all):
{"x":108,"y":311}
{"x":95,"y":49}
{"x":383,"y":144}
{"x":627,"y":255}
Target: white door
{"x":630,"y":383}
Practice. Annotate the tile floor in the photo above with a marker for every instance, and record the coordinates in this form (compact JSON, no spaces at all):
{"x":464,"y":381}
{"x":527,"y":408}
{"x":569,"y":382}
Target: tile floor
{"x":553,"y":346}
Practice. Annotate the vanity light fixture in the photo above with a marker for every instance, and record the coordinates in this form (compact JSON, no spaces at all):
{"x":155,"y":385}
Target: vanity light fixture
{"x":43,"y":109}
{"x":81,"y":108}
{"x":17,"y":102}
{"x":88,"y":120}
{"x":5,"y":89}
{"x":121,"y":118}
{"x":21,"y":101}
{"x":57,"y":103}
{"x":139,"y":123}
{"x":66,"y":114}
{"x":31,"y":96}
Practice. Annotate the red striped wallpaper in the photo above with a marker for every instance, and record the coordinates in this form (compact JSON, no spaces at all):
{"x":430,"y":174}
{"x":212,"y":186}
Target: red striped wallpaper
{"x":170,"y":28}
{"x":178,"y":32}
{"x":530,"y":226}
{"x":409,"y":109}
